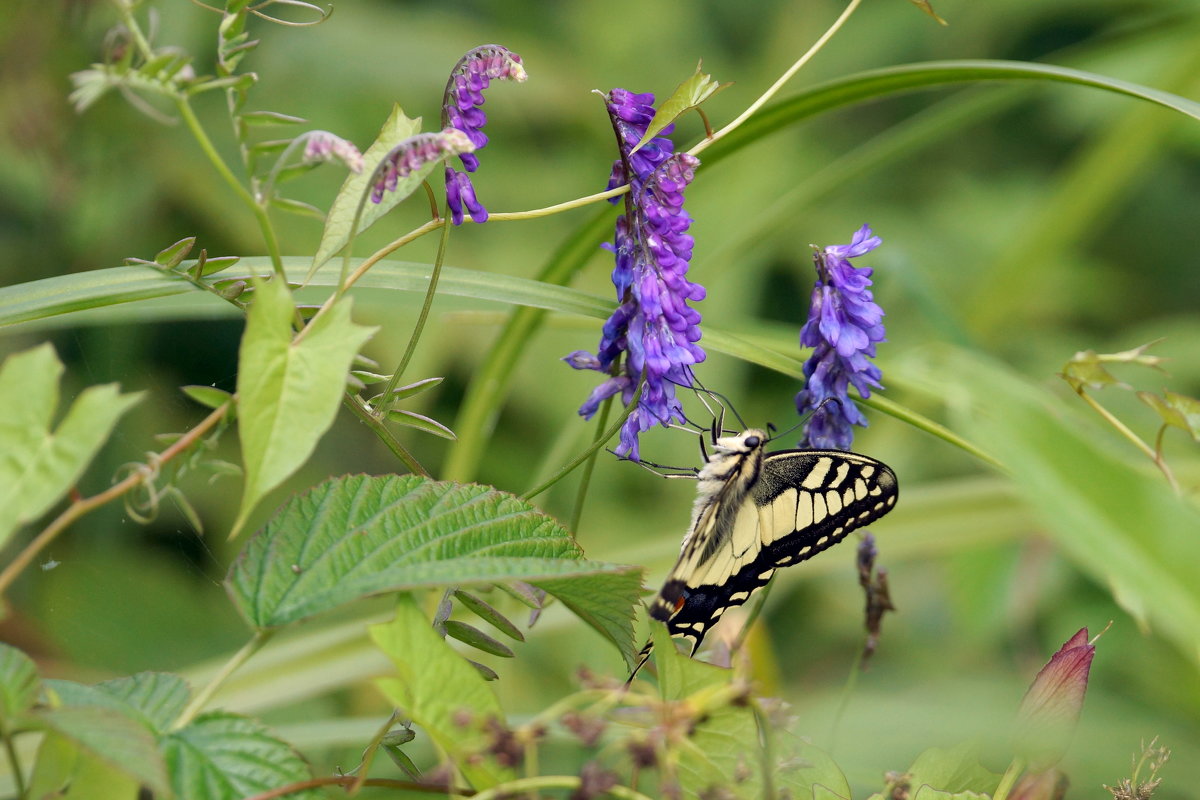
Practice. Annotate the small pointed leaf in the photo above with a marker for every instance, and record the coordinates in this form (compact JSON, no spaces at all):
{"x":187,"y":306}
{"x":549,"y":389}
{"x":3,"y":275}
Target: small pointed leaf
{"x":402,"y":392}
{"x":687,"y":95}
{"x":1178,"y":410}
{"x":485,"y":612}
{"x":271,"y":118}
{"x":421,"y":422}
{"x":173,"y":255}
{"x":396,"y":129}
{"x":207,"y":396}
{"x":925,"y":6}
{"x":298,"y":207}
{"x":469,"y":634}
{"x":212,"y":266}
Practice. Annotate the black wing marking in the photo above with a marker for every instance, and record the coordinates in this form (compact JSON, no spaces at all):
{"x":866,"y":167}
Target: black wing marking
{"x":803,"y":502}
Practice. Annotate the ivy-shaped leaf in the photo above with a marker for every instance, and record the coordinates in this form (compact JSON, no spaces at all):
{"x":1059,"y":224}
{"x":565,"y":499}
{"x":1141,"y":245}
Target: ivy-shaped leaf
{"x":439,"y":690}
{"x":360,"y":535}
{"x":340,"y":220}
{"x":288,"y":389}
{"x":37,"y":465}
{"x":222,"y":756}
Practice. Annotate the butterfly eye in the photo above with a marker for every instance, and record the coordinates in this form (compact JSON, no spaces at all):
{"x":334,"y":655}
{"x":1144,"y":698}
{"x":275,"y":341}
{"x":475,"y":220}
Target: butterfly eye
{"x":752,"y":441}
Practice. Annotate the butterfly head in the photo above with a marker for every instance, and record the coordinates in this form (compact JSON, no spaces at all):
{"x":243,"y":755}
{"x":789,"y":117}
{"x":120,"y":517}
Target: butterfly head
{"x":747,"y":441}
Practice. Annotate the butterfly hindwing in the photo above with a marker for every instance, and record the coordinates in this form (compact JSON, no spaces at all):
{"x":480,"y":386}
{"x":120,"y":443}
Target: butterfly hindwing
{"x":761,"y":512}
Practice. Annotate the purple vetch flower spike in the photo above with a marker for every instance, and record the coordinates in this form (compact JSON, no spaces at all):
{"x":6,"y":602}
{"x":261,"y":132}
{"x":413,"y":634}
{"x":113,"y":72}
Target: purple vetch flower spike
{"x":325,"y":146}
{"x":414,"y":153}
{"x":844,"y":324}
{"x":653,"y":326}
{"x":461,"y":103}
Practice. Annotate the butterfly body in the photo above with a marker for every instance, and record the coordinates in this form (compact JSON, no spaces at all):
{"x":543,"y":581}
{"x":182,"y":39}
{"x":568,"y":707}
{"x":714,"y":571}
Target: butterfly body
{"x":756,"y":512}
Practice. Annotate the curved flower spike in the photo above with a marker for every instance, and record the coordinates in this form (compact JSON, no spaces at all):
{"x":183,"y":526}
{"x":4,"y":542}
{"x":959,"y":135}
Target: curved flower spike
{"x":844,"y":324}
{"x":414,"y":153}
{"x":461,"y":109}
{"x":653,"y":326}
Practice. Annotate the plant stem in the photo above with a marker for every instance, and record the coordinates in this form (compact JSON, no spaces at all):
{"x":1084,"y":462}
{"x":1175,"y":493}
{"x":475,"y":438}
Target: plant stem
{"x":15,"y":764}
{"x":597,"y":443}
{"x":239,"y":658}
{"x":348,"y":780}
{"x":784,"y":78}
{"x":387,"y":399}
{"x":589,"y":465}
{"x":356,"y":404}
{"x":260,"y":213}
{"x":1009,"y":778}
{"x":551,"y":782}
{"x":82,"y":506}
{"x":1124,"y":430}
{"x":844,"y":700}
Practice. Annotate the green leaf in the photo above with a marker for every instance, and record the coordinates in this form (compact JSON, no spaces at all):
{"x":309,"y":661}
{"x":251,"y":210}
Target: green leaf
{"x":486,"y":612}
{"x":1117,"y":522}
{"x":19,"y":687}
{"x":687,"y":95}
{"x":470,"y":635}
{"x":808,"y":771}
{"x":892,"y":81}
{"x":208,"y":396}
{"x":361,"y":535}
{"x":340,"y":220}
{"x":288,"y":390}
{"x":39,"y":466}
{"x":928,"y":9}
{"x":211,"y":266}
{"x":401,"y":392}
{"x":1178,"y":410}
{"x":156,"y":698}
{"x":421,"y":422}
{"x":437,"y":688}
{"x":222,"y":756}
{"x":952,"y":771}
{"x":270,"y":118}
{"x":173,"y":255}
{"x":66,"y":772}
{"x":114,"y":738}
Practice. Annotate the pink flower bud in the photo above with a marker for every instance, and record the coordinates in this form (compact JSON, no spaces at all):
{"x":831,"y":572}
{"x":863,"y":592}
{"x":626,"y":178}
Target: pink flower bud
{"x":1048,"y":714}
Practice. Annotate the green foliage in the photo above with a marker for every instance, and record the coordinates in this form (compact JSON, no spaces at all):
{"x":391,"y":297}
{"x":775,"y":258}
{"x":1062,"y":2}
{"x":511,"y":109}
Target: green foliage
{"x":41,"y":462}
{"x":687,"y":95}
{"x":288,"y":390}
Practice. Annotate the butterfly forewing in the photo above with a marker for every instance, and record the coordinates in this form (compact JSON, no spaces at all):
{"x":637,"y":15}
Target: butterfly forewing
{"x":759,"y":513}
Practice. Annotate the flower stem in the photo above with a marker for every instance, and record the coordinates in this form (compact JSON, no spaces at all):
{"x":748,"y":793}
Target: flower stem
{"x":1124,"y":430}
{"x":844,"y":701}
{"x":589,"y":465}
{"x":239,"y":658}
{"x":386,"y":401}
{"x":356,"y":405}
{"x":1009,"y":778}
{"x":14,"y":763}
{"x":784,"y":78}
{"x":597,"y":443}
{"x":82,"y":506}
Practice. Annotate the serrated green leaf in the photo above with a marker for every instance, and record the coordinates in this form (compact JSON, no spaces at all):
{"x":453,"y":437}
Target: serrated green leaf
{"x":421,"y":422}
{"x":288,"y":390}
{"x":37,"y":467}
{"x":170,"y":257}
{"x":207,"y":396}
{"x":354,"y":536}
{"x":157,"y":698}
{"x":19,"y":686}
{"x":470,"y":635}
{"x":687,"y":95}
{"x":340,"y":220}
{"x":222,"y":756}
{"x":113,"y":737}
{"x":436,"y":688}
{"x":486,"y":612}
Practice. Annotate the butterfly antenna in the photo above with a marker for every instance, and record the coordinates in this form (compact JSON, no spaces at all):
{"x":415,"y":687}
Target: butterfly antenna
{"x":643,"y":657}
{"x":804,"y":420}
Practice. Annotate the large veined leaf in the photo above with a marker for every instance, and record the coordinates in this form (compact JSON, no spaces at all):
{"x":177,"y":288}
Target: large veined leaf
{"x":38,"y":465}
{"x":340,"y":220}
{"x":112,"y":737}
{"x":436,"y":688}
{"x":155,"y":698}
{"x":64,"y":770}
{"x":222,"y":756}
{"x":361,"y":535}
{"x":288,"y":389}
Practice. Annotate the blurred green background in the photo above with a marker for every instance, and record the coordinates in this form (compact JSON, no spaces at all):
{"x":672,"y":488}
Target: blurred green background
{"x":1021,"y":222}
